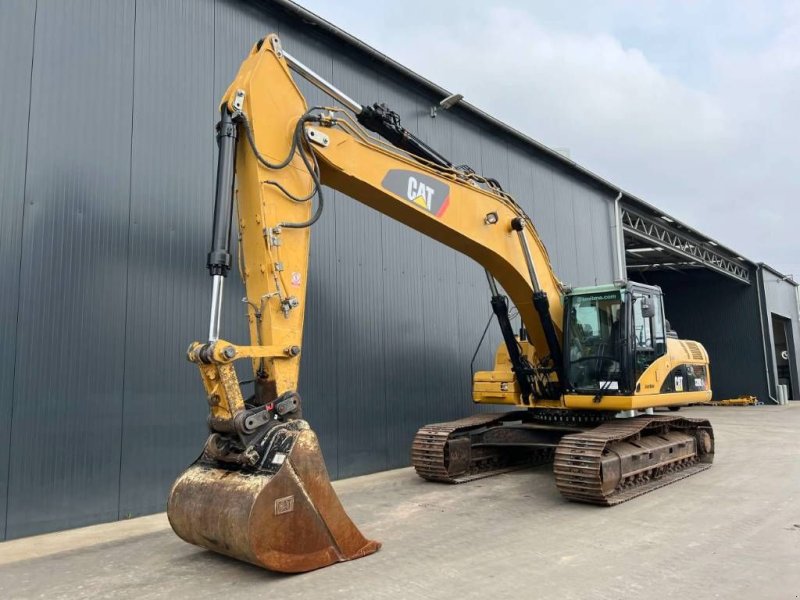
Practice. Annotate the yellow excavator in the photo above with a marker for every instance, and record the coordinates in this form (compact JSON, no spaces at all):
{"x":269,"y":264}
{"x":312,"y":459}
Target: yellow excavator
{"x":582,"y":373}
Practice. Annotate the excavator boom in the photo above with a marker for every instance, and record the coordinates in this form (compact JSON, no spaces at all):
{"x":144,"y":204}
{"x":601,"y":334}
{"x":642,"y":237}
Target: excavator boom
{"x":259,"y":491}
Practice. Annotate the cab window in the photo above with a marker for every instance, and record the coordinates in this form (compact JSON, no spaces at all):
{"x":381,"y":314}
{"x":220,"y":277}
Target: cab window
{"x":659,"y":326}
{"x":649,"y":330}
{"x":594,"y":340}
{"x":642,"y":325}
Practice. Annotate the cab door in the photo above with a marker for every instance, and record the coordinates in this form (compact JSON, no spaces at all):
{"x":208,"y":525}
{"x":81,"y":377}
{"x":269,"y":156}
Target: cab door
{"x":648,"y":330}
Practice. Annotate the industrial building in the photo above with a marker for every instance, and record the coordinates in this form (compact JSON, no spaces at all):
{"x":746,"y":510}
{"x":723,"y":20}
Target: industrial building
{"x":106,"y":187}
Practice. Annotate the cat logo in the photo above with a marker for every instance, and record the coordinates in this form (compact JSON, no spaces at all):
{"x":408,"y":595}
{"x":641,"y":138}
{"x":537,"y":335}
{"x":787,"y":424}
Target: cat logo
{"x":284,"y":505}
{"x":419,"y":189}
{"x":419,"y":193}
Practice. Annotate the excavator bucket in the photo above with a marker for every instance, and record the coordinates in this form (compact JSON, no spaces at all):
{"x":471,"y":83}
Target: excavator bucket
{"x":286,"y":518}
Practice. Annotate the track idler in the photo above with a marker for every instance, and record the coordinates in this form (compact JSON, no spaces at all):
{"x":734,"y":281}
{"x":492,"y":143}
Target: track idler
{"x":281,"y":514}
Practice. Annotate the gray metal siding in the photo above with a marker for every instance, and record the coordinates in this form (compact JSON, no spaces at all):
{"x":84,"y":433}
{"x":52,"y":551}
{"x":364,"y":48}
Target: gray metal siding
{"x":604,"y":247}
{"x":414,"y":269}
{"x":169,"y":219}
{"x":472,"y":308}
{"x":16,"y":31}
{"x":544,"y":208}
{"x":116,"y":183}
{"x":358,"y":317}
{"x":67,"y":400}
{"x":723,"y":315}
{"x":779,"y":298}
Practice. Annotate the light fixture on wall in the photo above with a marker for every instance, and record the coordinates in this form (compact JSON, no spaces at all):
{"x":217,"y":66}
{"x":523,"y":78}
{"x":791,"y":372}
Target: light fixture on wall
{"x":447,"y":103}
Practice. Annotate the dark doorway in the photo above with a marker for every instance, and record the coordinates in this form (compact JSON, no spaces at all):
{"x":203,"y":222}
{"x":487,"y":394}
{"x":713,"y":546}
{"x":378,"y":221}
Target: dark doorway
{"x":701,"y":305}
{"x":782,"y":338}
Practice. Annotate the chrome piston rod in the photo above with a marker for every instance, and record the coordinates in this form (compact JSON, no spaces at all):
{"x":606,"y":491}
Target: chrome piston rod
{"x":377,"y":118}
{"x":217,"y":284}
{"x":526,"y":251}
{"x":492,"y":283}
{"x":322,"y":83}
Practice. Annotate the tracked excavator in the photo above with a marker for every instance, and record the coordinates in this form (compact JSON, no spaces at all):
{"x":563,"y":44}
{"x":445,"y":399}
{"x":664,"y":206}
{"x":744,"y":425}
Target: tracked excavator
{"x":582,"y":358}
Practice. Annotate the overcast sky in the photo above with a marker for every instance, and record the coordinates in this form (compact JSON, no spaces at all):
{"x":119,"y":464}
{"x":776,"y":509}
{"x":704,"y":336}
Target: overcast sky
{"x":692,"y":106}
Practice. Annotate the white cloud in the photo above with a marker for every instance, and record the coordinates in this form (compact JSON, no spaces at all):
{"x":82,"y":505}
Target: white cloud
{"x":689,"y":105}
{"x":583,"y":91}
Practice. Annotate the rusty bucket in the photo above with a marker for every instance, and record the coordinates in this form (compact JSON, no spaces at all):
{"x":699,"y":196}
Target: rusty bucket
{"x":286,"y":518}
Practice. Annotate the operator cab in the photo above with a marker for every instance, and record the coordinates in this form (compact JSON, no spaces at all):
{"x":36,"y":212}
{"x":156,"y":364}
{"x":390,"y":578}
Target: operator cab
{"x":612,"y":334}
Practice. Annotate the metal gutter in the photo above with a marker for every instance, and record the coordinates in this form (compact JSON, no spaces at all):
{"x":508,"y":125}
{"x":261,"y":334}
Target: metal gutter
{"x":310,"y":19}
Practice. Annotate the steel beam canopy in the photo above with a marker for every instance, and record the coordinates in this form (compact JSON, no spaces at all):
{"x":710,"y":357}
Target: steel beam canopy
{"x":671,"y":248}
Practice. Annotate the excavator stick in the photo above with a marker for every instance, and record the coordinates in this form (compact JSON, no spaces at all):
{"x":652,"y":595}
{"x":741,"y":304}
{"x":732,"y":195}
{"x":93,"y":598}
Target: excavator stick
{"x":285,"y":518}
{"x":260,"y":491}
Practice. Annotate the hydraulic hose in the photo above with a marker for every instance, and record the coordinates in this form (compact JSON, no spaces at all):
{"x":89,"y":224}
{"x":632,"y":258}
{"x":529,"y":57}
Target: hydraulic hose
{"x":297,"y":147}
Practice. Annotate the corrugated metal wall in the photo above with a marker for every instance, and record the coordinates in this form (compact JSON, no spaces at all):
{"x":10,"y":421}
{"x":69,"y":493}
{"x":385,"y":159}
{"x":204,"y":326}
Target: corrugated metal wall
{"x":779,"y":299}
{"x":16,"y":31}
{"x":723,"y":315}
{"x":106,"y":175}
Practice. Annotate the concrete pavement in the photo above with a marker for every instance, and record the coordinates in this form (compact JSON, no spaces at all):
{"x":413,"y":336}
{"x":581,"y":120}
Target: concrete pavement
{"x":730,"y":532}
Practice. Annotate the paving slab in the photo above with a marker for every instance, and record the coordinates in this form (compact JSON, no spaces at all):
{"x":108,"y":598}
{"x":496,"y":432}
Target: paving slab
{"x":730,"y":532}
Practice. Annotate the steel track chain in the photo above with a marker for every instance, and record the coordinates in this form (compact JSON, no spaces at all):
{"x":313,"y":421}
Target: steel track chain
{"x":430,"y":457}
{"x":577,"y":465}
